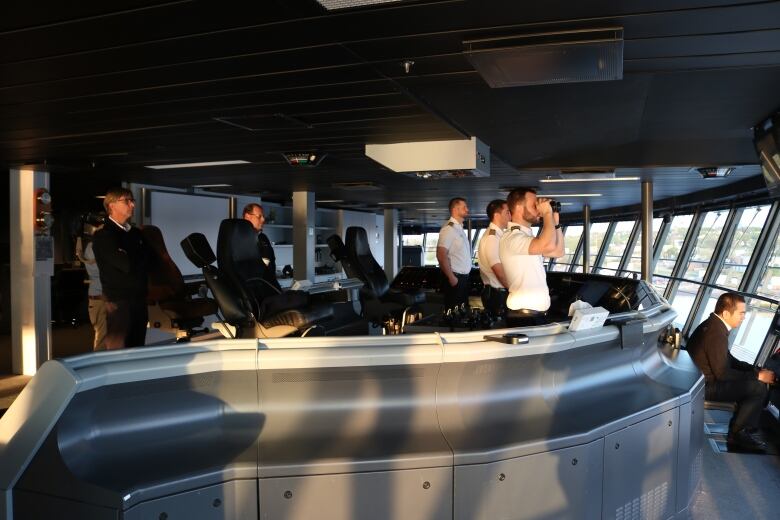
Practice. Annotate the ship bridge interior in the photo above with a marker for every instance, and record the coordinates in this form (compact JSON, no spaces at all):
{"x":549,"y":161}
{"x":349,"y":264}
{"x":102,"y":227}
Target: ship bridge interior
{"x":354,"y":123}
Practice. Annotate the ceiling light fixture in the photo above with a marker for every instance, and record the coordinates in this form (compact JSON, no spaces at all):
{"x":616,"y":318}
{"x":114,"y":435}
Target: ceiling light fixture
{"x":401,"y":203}
{"x":333,"y":5}
{"x":211,"y":185}
{"x":595,"y":179}
{"x":714,"y":172}
{"x":194,"y":164}
{"x":329,"y":201}
{"x":567,"y":195}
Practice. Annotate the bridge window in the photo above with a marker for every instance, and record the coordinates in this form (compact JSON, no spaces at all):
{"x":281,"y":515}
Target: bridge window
{"x":635,"y":262}
{"x":616,"y":247}
{"x":597,"y":233}
{"x":705,"y":243}
{"x":429,"y":256}
{"x":742,"y":246}
{"x":475,"y":246}
{"x":769,"y":284}
{"x":571,"y":239}
{"x":670,"y":250}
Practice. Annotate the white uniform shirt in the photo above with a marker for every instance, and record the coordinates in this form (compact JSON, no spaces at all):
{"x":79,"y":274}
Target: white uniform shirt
{"x":95,"y":289}
{"x":487,"y":254}
{"x":524,"y":272}
{"x":453,"y":238}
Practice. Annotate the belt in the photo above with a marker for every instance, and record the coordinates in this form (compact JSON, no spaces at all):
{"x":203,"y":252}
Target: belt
{"x":499,"y":289}
{"x":525,"y":312}
{"x":98,"y":297}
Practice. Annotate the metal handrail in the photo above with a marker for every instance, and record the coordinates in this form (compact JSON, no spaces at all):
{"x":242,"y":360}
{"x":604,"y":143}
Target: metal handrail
{"x":708,"y":285}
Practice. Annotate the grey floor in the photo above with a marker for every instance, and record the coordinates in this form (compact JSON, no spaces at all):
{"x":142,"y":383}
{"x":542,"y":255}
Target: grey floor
{"x":737,"y":485}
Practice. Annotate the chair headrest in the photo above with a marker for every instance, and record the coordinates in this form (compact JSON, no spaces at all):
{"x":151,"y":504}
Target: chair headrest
{"x":237,"y":243}
{"x":197,"y":249}
{"x":337,"y":248}
{"x":357,"y":241}
{"x":153,"y":237}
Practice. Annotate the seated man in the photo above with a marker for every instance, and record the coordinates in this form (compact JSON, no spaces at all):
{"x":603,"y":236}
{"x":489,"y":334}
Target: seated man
{"x":254,"y":214}
{"x":727,"y":378}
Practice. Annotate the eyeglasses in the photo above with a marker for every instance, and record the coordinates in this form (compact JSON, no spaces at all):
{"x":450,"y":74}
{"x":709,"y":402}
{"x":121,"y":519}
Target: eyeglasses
{"x":126,"y":200}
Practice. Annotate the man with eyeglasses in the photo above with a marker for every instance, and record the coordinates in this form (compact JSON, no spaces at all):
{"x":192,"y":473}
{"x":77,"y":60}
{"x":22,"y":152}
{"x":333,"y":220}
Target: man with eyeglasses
{"x":123,"y":259}
{"x":254,"y":214}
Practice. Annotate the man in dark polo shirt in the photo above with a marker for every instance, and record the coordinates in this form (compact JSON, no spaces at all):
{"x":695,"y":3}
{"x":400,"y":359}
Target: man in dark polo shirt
{"x":123,"y":258}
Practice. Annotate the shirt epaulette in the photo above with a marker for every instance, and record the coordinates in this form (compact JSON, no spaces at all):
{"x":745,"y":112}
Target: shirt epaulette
{"x":512,"y":228}
{"x":492,"y":232}
{"x":451,"y":224}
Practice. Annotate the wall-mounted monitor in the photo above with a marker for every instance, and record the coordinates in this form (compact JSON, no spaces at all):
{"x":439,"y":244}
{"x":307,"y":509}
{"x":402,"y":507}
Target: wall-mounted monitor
{"x":767,"y":141}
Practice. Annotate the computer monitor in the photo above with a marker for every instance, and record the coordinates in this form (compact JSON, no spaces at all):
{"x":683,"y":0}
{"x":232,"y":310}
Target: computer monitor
{"x":767,"y":141}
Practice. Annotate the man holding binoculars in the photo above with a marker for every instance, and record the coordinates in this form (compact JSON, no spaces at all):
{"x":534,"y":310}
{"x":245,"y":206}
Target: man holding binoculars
{"x":522,"y":255}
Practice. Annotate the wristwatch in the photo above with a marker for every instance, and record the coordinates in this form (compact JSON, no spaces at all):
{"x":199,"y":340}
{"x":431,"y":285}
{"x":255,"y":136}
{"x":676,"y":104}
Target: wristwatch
{"x":558,"y":226}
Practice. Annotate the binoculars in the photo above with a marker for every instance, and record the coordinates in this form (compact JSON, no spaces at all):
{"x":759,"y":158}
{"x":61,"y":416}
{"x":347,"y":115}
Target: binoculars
{"x":556,"y":206}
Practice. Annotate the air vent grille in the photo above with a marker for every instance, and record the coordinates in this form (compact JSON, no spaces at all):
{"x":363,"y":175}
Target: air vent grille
{"x":547,"y":58}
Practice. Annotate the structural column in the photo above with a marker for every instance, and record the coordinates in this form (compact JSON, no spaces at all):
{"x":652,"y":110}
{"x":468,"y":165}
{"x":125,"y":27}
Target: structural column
{"x":647,"y":230}
{"x":391,"y":243}
{"x":304,"y":215}
{"x":32,"y":266}
{"x":586,"y":238}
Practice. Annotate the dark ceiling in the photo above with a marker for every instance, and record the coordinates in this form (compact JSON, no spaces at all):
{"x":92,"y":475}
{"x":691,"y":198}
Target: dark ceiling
{"x":107,"y":88}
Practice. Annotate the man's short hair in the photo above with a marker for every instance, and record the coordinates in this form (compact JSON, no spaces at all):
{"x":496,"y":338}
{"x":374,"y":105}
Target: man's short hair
{"x":454,"y":202}
{"x":517,"y":195}
{"x":728,"y":302}
{"x":113,"y":195}
{"x":249,"y":209}
{"x":494,"y":207}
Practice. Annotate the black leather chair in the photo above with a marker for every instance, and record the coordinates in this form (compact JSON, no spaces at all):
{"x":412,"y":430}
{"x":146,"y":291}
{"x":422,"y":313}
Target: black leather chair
{"x":232,"y":309}
{"x":376,"y":296}
{"x":234,"y":305}
{"x":171,"y":305}
{"x":239,"y":259}
{"x":338,"y":252}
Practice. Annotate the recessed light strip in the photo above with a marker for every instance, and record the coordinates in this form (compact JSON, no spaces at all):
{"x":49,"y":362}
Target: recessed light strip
{"x":403,"y":203}
{"x":211,"y":185}
{"x":605,"y":179}
{"x":195,"y":164}
{"x":567,"y":195}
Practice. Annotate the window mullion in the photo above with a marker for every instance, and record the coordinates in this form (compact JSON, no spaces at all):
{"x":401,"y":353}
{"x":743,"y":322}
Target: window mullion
{"x":663,"y":233}
{"x":577,"y":252}
{"x":632,"y":238}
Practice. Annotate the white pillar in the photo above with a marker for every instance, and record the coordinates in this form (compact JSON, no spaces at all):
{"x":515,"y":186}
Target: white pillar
{"x":32,"y":266}
{"x":391,"y":243}
{"x":303,"y":235}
